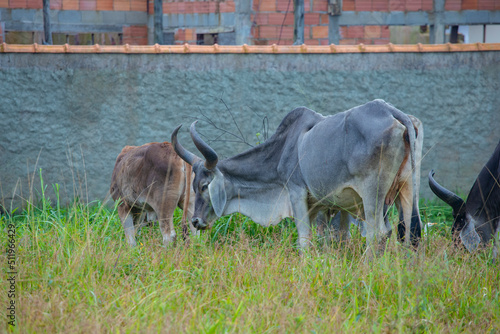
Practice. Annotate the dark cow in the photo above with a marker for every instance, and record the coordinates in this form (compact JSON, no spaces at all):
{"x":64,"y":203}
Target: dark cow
{"x":477,"y":219}
{"x":352,"y":162}
{"x":152,"y":180}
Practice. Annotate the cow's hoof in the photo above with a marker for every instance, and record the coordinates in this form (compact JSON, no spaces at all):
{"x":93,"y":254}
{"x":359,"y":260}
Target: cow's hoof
{"x":169,"y":239}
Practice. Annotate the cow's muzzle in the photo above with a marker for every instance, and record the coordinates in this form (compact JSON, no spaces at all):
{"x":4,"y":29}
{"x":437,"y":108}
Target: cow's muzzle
{"x":199,"y":223}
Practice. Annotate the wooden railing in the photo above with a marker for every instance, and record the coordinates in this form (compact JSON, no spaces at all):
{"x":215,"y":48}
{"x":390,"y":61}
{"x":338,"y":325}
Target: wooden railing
{"x":213,"y":49}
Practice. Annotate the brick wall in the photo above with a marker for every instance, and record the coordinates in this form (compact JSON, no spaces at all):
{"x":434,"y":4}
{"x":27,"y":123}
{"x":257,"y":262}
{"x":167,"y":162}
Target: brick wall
{"x":198,"y":7}
{"x":100,"y":5}
{"x":272,"y":20}
{"x":135,"y":35}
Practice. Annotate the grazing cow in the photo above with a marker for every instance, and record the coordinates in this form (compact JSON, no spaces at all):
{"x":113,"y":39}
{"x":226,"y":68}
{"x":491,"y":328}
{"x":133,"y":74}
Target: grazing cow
{"x":152,"y":180}
{"x":349,"y":162}
{"x":477,"y":219}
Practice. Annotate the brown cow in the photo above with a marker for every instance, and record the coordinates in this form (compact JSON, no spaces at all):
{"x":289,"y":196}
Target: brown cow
{"x":152,"y":180}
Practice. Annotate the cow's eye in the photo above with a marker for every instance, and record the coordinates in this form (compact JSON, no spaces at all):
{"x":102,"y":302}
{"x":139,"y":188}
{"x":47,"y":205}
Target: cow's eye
{"x":204,"y":187}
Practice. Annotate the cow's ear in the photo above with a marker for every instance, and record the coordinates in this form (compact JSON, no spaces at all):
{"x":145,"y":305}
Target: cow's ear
{"x":217,"y":193}
{"x":469,"y":237}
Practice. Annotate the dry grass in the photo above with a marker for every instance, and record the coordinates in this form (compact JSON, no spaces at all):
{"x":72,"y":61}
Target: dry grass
{"x":76,"y":274}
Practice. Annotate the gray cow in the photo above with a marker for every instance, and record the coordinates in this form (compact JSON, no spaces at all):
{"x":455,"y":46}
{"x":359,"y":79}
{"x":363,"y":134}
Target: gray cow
{"x":355,"y":161}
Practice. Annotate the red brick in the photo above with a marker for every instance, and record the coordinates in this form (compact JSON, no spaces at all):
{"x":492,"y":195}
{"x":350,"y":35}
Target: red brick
{"x":139,"y":5}
{"x":343,"y":31}
{"x":311,"y":18}
{"x":227,"y":7}
{"x":320,"y":32}
{"x":324,"y":18}
{"x":213,"y":6}
{"x":254,"y":31}
{"x":486,"y":4}
{"x":284,"y":5}
{"x":381,"y":41}
{"x":348,"y":5}
{"x":268,"y":32}
{"x":201,"y":7}
{"x":56,"y":4}
{"x":181,"y":7}
{"x":120,"y":5}
{"x":469,"y":4}
{"x":385,"y":32}
{"x":261,"y":19}
{"x":3,"y":4}
{"x":427,"y":5}
{"x":307,"y":32}
{"x":373,"y":32}
{"x":267,"y":6}
{"x":188,"y":7}
{"x":307,"y":5}
{"x":281,"y":42}
{"x":355,"y":32}
{"x":363,"y":5}
{"x":168,"y":7}
{"x":453,"y":5}
{"x":34,"y":4}
{"x":397,"y":5}
{"x":324,"y":41}
{"x":285,"y":32}
{"x":190,"y":34}
{"x":257,"y":41}
{"x":413,"y":5}
{"x":102,"y":4}
{"x":88,"y":5}
{"x":180,"y":35}
{"x":71,"y":5}
{"x":380,"y":5}
{"x":17,"y":4}
{"x":320,"y":5}
{"x":311,"y":42}
{"x":281,"y":18}
{"x":255,"y":5}
{"x":347,"y":41}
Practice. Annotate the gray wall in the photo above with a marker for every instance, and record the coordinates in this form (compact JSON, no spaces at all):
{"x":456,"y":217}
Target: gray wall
{"x":71,"y":114}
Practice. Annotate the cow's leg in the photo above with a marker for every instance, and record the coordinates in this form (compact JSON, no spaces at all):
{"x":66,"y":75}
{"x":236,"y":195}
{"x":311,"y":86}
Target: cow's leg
{"x":339,"y":227}
{"x":409,"y":212}
{"x":321,"y":222}
{"x":187,"y":215}
{"x":166,"y":218}
{"x":126,"y":217}
{"x":140,"y":221}
{"x":298,"y":198}
{"x":377,"y":231}
{"x":496,"y":241}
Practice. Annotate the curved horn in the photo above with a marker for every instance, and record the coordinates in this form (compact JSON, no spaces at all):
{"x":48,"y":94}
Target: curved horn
{"x":447,"y":196}
{"x":187,"y":156}
{"x":209,"y":154}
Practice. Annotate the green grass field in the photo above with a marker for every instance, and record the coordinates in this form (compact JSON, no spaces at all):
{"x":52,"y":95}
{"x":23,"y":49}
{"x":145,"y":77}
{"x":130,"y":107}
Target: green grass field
{"x":76,"y":274}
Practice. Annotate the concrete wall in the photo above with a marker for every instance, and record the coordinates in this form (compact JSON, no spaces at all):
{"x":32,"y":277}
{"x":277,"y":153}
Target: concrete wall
{"x":70,"y":114}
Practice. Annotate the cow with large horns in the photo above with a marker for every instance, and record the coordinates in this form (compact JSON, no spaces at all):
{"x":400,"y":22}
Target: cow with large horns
{"x":353,"y":162}
{"x":477,"y":219}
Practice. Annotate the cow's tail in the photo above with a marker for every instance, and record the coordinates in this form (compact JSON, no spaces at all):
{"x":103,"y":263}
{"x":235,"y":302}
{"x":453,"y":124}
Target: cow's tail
{"x":187,"y":198}
{"x":415,"y":228}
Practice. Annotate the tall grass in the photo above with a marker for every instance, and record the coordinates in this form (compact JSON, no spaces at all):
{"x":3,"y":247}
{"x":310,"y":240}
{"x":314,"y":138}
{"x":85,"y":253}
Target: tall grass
{"x":76,"y":274}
